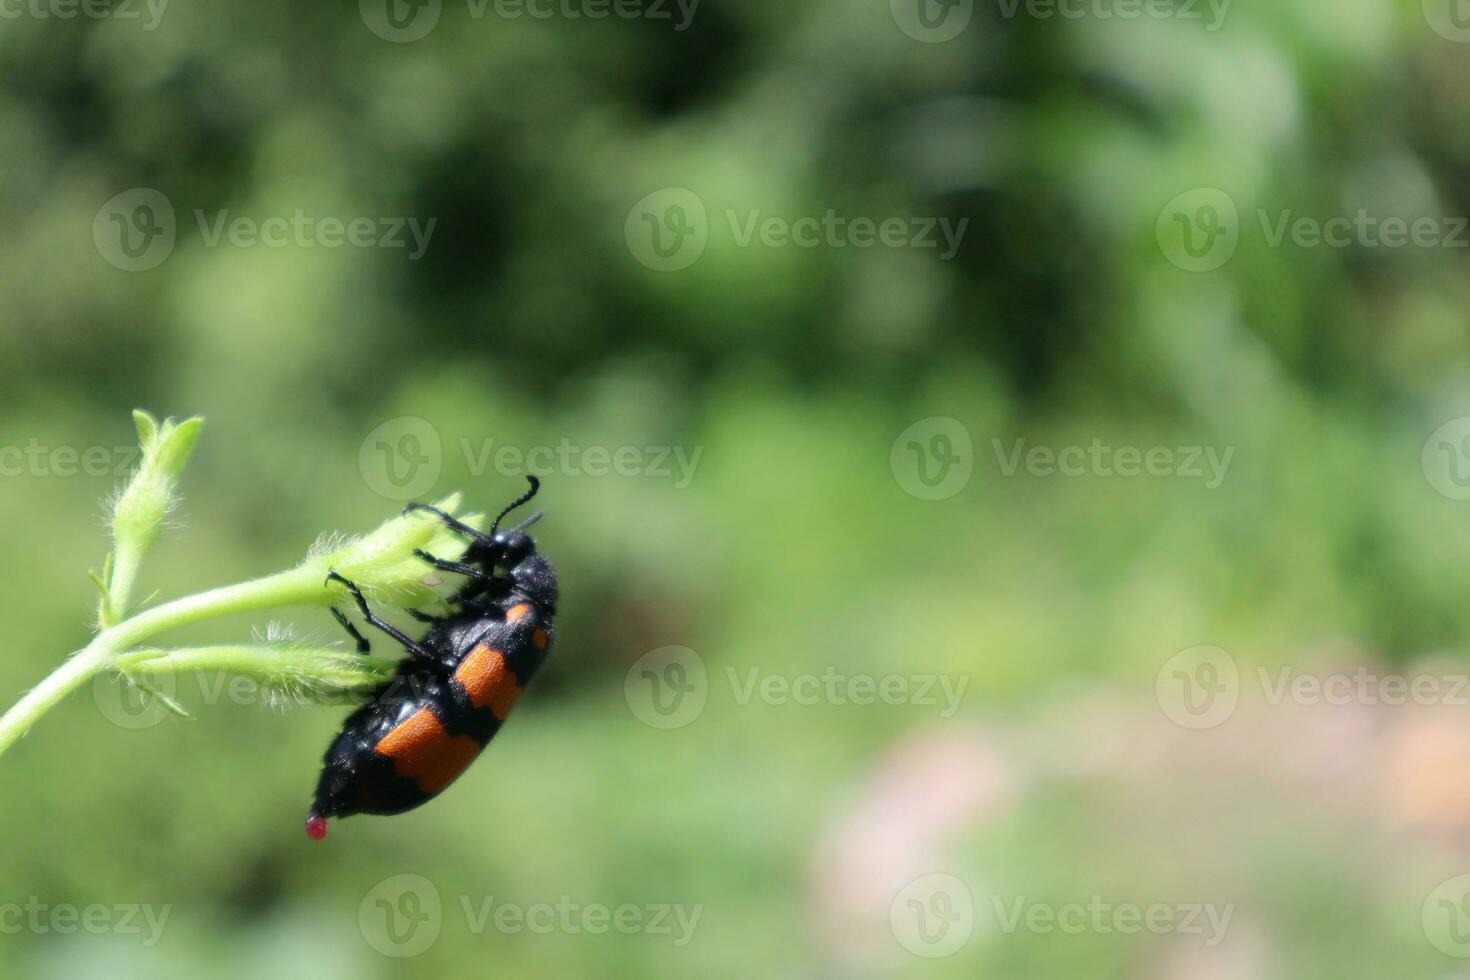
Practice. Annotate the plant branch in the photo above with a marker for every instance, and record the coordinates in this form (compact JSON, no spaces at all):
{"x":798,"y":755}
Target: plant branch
{"x":384,"y":564}
{"x":295,"y":587}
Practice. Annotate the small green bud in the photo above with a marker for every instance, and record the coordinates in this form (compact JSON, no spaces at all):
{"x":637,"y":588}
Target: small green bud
{"x":139,"y":510}
{"x":138,"y":514}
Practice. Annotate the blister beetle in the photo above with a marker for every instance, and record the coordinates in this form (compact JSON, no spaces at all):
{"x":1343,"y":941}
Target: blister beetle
{"x":454,"y":689}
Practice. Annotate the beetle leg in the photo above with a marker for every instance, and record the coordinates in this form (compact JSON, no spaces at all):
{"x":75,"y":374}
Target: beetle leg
{"x":450,"y":521}
{"x":409,"y":644}
{"x":457,"y":567}
{"x":363,"y":646}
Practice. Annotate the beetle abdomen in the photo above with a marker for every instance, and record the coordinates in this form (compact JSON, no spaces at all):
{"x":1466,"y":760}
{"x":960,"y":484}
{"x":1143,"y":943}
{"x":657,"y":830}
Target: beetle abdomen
{"x":423,"y":729}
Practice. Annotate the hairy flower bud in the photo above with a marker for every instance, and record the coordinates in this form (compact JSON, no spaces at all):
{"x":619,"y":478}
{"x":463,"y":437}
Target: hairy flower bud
{"x":138,"y":512}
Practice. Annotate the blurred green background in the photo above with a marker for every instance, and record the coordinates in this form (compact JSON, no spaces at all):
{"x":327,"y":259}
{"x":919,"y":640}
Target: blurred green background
{"x":848,"y":412}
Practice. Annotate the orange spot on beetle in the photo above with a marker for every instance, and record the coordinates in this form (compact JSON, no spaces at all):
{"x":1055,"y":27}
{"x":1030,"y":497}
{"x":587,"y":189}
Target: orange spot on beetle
{"x":423,"y":751}
{"x":486,"y":679}
{"x":538,"y":639}
{"x":517,"y":612}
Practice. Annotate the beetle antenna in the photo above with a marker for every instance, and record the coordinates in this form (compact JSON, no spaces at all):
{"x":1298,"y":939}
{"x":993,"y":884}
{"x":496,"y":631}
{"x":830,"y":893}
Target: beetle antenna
{"x":523,"y":498}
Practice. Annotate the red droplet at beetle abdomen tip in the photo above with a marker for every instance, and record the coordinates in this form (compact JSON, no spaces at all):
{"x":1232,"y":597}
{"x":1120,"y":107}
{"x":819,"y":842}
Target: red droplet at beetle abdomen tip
{"x":316,"y":826}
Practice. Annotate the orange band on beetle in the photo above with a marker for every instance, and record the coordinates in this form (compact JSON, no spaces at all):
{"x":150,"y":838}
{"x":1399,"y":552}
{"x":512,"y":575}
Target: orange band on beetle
{"x":423,"y":751}
{"x":488,"y":681}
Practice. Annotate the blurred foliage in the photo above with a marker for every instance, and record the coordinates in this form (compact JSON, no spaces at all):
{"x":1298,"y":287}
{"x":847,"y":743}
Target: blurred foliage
{"x":794,"y":547}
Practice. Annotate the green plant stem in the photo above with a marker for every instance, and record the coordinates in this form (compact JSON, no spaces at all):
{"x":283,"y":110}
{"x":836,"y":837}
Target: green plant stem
{"x":297,"y":586}
{"x":127,"y":558}
{"x":76,"y":671}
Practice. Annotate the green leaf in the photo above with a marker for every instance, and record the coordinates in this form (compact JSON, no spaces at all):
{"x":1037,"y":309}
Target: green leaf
{"x":174,"y":707}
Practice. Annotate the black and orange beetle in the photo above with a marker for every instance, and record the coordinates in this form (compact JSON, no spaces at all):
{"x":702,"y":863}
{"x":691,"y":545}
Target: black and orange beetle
{"x":453,"y":690}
